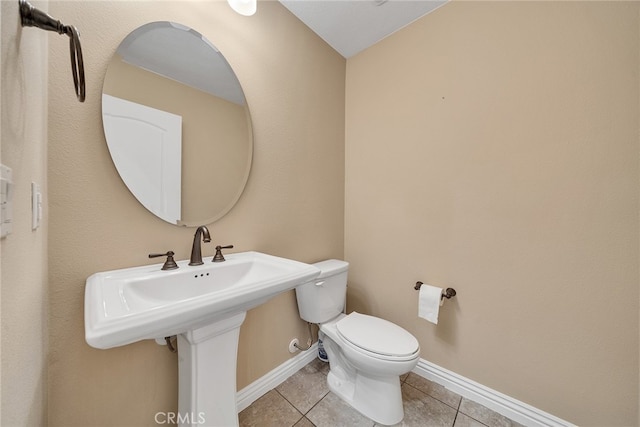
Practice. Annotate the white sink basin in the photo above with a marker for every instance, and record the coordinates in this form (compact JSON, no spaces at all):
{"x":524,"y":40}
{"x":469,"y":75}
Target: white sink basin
{"x":132,"y":304}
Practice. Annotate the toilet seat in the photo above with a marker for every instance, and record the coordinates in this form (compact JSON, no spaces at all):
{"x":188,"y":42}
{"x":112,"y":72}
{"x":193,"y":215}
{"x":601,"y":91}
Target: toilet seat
{"x":377,"y":337}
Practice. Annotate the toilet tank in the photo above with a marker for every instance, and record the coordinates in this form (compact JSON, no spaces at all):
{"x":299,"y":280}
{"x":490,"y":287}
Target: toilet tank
{"x":325,"y":297}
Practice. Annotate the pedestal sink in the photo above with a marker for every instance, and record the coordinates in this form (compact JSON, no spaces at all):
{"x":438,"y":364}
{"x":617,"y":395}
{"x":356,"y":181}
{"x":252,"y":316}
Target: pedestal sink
{"x":204,"y":306}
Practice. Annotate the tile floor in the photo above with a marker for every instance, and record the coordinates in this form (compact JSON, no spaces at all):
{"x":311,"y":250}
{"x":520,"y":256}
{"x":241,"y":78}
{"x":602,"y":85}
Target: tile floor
{"x":304,"y":400}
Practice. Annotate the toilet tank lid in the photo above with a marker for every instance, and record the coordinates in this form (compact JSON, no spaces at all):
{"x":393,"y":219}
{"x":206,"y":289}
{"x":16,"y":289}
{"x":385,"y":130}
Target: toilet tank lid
{"x":331,"y":267}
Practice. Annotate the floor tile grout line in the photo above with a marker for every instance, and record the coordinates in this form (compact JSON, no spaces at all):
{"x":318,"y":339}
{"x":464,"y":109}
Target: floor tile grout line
{"x":292,"y":405}
{"x":454,"y":419}
{"x":457,"y":412}
{"x":304,"y":418}
{"x":304,"y":414}
{"x":316,"y":404}
{"x":469,"y":416}
{"x":457,"y":407}
{"x":433,"y":397}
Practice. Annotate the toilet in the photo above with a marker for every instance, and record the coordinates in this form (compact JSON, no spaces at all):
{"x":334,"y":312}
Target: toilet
{"x":367,"y":354}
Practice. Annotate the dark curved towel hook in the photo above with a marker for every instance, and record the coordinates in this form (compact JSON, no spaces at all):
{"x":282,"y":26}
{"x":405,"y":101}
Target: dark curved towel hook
{"x":32,"y":17}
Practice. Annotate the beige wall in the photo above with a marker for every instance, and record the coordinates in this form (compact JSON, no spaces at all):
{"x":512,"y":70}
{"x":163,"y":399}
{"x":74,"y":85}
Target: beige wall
{"x":292,"y":206}
{"x":493,"y":148}
{"x":24,"y":259}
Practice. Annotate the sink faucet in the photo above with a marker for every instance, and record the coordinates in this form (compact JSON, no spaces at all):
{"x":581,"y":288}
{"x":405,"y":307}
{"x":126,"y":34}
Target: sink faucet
{"x":196,"y":252}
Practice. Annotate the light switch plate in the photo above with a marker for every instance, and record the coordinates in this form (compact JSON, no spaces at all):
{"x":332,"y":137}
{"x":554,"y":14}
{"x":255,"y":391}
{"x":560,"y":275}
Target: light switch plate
{"x":36,"y":206}
{"x":6,"y":200}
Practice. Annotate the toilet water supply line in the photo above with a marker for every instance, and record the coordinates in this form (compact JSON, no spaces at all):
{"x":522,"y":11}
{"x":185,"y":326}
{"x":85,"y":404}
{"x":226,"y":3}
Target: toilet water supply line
{"x":170,"y":340}
{"x":309,"y":341}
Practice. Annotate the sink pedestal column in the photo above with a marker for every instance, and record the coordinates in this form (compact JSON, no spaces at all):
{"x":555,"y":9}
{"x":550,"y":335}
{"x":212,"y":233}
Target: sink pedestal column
{"x":207,"y":359}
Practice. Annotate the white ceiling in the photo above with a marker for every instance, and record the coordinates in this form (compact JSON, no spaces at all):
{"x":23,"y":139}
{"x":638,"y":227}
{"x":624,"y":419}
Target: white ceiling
{"x":350,"y":26}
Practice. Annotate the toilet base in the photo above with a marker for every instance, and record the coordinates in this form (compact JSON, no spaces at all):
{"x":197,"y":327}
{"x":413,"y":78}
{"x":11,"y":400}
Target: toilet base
{"x":377,"y":398}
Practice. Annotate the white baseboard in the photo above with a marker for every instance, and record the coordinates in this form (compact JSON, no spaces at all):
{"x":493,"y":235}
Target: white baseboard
{"x":274,"y":378}
{"x":509,"y":407}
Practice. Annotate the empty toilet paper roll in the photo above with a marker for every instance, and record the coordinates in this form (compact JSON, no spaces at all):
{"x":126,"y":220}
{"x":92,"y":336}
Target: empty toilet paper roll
{"x":429,"y":302}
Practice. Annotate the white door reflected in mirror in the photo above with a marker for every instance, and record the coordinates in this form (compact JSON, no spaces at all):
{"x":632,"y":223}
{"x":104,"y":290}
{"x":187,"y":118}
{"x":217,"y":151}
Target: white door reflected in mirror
{"x":146,"y":147}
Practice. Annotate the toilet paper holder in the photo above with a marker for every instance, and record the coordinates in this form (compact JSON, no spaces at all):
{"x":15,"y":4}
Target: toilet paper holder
{"x":448,"y":293}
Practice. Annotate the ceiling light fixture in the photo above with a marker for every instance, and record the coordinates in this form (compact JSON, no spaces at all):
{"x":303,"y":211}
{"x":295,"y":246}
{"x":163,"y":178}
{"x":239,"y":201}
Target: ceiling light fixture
{"x":243,"y":7}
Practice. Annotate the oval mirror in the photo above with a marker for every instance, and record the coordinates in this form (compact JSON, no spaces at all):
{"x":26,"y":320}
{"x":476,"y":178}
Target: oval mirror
{"x":177,"y":124}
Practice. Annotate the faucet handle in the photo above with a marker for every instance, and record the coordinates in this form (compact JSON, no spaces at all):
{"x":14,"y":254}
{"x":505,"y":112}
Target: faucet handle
{"x":218,"y":257}
{"x":169,"y":264}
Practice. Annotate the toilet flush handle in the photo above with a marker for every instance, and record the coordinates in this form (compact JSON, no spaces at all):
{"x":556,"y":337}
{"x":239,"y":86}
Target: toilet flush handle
{"x":320,"y":283}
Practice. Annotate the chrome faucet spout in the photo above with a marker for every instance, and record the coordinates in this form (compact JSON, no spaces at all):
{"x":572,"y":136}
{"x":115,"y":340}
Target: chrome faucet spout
{"x":202,"y":232}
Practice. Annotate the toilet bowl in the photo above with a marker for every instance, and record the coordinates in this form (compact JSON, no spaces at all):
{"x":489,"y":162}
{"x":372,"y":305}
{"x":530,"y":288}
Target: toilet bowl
{"x":368,"y":380}
{"x":366,"y":354}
